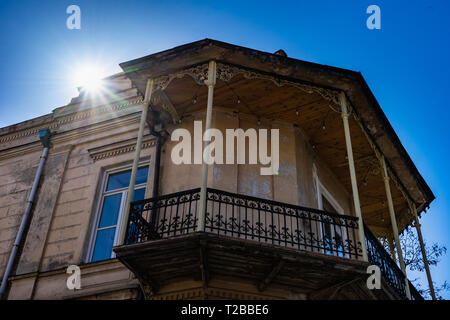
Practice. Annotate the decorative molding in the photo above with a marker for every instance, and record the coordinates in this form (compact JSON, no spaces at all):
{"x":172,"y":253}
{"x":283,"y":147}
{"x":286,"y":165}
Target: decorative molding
{"x":408,"y":219}
{"x":371,"y":164}
{"x":74,"y":117}
{"x":26,"y":133}
{"x":379,"y":155}
{"x":206,"y":293}
{"x":147,"y":291}
{"x":226,"y":72}
{"x":106,"y":108}
{"x":68,"y":136}
{"x":199,"y":73}
{"x":118,"y":148}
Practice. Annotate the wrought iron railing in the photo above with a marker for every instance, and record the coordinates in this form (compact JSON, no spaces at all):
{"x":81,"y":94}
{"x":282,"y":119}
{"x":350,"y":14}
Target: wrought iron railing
{"x":390,"y":271}
{"x":415,"y":294}
{"x":261,"y":220}
{"x":245,"y":217}
{"x":162,"y":217}
{"x":281,"y":224}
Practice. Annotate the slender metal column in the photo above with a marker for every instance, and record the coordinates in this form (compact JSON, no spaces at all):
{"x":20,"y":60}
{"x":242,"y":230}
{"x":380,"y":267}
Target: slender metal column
{"x":137,"y":155}
{"x":392,"y":248}
{"x":211,"y":82}
{"x":394,"y":224}
{"x":351,"y":165}
{"x":424,"y":253}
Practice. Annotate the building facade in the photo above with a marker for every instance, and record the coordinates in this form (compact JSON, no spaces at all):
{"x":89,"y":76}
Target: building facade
{"x":344,"y":186}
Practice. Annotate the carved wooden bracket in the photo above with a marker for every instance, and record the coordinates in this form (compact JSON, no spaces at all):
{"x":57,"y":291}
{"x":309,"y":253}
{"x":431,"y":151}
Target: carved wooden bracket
{"x":272,"y":274}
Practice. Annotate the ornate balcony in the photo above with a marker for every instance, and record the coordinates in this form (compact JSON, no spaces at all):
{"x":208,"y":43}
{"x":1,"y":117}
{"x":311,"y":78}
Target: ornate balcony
{"x":389,"y":269}
{"x":242,"y":222}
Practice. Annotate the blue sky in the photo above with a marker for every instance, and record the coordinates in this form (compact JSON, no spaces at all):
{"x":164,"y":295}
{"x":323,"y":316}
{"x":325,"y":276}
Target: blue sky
{"x":406,"y":63}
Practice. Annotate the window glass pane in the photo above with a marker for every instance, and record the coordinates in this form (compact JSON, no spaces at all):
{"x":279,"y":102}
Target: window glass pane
{"x":122,"y":179}
{"x":110,"y":210}
{"x":104,"y":244}
{"x":118,"y":180}
{"x":327,"y":206}
{"x":141,"y":175}
{"x":139,"y":194}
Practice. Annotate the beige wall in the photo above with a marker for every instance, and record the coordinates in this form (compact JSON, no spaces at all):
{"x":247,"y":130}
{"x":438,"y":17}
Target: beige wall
{"x":85,"y":145}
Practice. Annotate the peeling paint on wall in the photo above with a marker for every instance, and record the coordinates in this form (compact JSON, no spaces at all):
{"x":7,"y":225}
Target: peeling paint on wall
{"x":253,"y":186}
{"x":217,"y":172}
{"x":287,"y":169}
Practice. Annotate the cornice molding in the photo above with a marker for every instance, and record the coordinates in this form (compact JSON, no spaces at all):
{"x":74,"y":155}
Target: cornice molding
{"x":26,"y":133}
{"x":118,"y":148}
{"x":204,"y":293}
{"x":100,"y":110}
{"x":58,"y":121}
{"x":70,"y":135}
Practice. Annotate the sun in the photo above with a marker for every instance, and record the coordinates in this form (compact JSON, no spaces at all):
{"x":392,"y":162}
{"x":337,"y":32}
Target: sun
{"x":88,"y":78}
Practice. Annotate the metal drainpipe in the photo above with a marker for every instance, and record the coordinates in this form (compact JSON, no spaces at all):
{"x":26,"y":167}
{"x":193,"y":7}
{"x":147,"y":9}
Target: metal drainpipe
{"x":159,"y":142}
{"x":157,"y":163}
{"x":44,"y":136}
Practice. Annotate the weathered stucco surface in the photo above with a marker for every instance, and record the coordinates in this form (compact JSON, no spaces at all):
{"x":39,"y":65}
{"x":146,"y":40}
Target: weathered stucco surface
{"x":63,"y":215}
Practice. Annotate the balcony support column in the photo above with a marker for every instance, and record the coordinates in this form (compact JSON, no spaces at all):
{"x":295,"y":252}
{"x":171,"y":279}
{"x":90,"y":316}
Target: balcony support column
{"x":351,"y":165}
{"x":137,"y":155}
{"x":424,"y":253}
{"x":394,"y":224}
{"x":210,"y":82}
{"x":391,"y":244}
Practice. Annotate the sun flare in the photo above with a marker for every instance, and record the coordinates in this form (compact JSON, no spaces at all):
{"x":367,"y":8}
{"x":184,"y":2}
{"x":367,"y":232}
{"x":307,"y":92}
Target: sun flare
{"x":88,"y":78}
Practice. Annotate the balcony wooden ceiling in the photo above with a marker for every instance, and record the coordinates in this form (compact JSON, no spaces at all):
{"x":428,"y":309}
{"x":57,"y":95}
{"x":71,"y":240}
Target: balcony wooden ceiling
{"x":318,"y":118}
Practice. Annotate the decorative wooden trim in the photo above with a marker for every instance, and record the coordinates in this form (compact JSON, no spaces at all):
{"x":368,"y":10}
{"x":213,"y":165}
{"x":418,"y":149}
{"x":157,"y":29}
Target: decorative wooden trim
{"x":269,"y":277}
{"x":210,"y":292}
{"x":226,"y":72}
{"x":199,"y":73}
{"x":160,"y":98}
{"x":378,"y":153}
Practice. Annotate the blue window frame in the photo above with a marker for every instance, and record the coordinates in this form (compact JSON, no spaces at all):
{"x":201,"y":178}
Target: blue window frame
{"x":112,"y":204}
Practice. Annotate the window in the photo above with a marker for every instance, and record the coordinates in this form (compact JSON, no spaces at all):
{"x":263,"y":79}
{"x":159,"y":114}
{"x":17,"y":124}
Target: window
{"x":330,"y":231}
{"x":112,"y":203}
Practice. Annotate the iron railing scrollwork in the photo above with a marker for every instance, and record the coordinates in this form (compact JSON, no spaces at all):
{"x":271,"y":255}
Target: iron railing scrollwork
{"x":244,"y":217}
{"x":389,"y":269}
{"x":174,"y":214}
{"x":281,"y":224}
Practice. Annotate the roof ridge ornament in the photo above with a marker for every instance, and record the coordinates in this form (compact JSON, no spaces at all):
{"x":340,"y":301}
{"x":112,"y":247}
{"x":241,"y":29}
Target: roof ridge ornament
{"x":281,"y":52}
